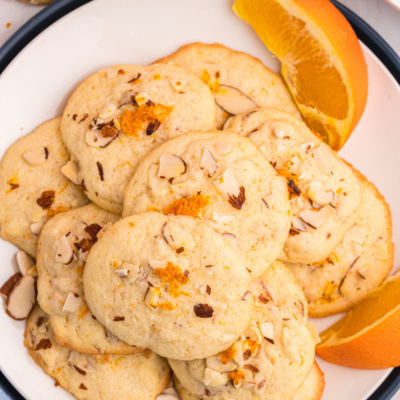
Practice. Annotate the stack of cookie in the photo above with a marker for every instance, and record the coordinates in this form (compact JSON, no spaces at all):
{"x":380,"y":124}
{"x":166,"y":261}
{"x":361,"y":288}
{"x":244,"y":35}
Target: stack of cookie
{"x":183,"y":216}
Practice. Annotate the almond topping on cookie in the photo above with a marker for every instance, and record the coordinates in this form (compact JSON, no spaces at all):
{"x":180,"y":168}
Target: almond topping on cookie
{"x":216,"y":364}
{"x":25,"y":263}
{"x":191,"y":206}
{"x":107,"y":111}
{"x":269,"y":200}
{"x":236,"y":377}
{"x":72,"y":303}
{"x":21,"y":298}
{"x":318,"y":195}
{"x":64,"y":252}
{"x":46,"y":199}
{"x":233,"y":101}
{"x":315,"y":218}
{"x":229,"y":186}
{"x":208,"y":162}
{"x":232,"y":239}
{"x":214,"y":378}
{"x":224,"y":218}
{"x":178,"y":84}
{"x":9,"y":284}
{"x":70,"y":171}
{"x":36,"y":157}
{"x":171,"y":166}
{"x":95,"y":138}
{"x":267,"y":330}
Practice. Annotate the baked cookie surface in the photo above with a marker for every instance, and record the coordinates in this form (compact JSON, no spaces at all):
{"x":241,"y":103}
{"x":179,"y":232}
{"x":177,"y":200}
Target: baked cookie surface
{"x":224,"y":179}
{"x":270,"y":359}
{"x":239,"y":81}
{"x":169,"y":283}
{"x":324,"y":191}
{"x":118,"y":114}
{"x":358,"y":265}
{"x":63,"y":247}
{"x":90,"y":377}
{"x":32,"y":186}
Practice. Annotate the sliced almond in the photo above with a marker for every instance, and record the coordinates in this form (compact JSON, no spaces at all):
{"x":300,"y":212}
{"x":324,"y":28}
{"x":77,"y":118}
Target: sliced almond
{"x":94,"y":138}
{"x":233,"y":101}
{"x":152,"y":297}
{"x":246,"y":296}
{"x":223,"y":218}
{"x":318,"y":195}
{"x":215,"y":364}
{"x":208,"y":162}
{"x":267,"y":330}
{"x":229,"y":186}
{"x":298,"y":224}
{"x":36,"y":228}
{"x":356,"y":234}
{"x":122,"y":273}
{"x":307,"y":147}
{"x":7,"y":286}
{"x":33,"y":272}
{"x":64,"y":252}
{"x":269,"y":200}
{"x":214,"y":378}
{"x":107,"y":111}
{"x":25,"y":263}
{"x":178,"y":84}
{"x":315,"y":218}
{"x":314,"y":333}
{"x":72,"y":303}
{"x":70,"y":171}
{"x":36,"y":157}
{"x":21,"y":298}
{"x":171,"y":166}
{"x":231,"y":238}
{"x":128,"y":98}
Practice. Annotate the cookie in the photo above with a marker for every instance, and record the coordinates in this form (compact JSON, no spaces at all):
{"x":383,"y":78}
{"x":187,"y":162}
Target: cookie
{"x":311,"y":389}
{"x":32,"y":186}
{"x":169,"y":283}
{"x":239,"y":81}
{"x":64,"y":245}
{"x":324,"y":191}
{"x":270,"y":359}
{"x":118,"y":114}
{"x":224,"y":179}
{"x":358,"y":265}
{"x":91,"y":377}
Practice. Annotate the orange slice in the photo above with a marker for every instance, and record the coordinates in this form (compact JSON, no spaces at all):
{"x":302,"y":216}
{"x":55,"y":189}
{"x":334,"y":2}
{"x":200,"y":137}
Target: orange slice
{"x":322,"y":61}
{"x":368,"y":336}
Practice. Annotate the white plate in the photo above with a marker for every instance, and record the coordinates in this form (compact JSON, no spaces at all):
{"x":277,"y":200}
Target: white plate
{"x":38,"y":82}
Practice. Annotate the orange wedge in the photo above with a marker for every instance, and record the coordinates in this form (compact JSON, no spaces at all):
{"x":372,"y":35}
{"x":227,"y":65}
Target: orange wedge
{"x":368,"y":337}
{"x":322,"y":61}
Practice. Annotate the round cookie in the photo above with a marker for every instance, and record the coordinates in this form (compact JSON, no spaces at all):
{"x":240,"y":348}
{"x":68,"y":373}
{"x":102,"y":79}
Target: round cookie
{"x":239,"y":81}
{"x":358,"y":264}
{"x":311,"y":389}
{"x":270,"y":359}
{"x":225,"y":180}
{"x":32,"y":186}
{"x":91,"y":377}
{"x":324,"y":191}
{"x":64,"y":245}
{"x":169,"y":283}
{"x":118,"y":114}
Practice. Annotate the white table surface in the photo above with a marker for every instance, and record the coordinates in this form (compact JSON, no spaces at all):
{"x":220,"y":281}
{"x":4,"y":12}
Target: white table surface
{"x":379,"y":14}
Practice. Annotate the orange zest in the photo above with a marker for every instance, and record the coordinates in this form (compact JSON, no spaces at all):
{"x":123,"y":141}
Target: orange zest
{"x":322,"y":61}
{"x":368,"y":336}
{"x":228,"y":355}
{"x":172,"y":274}
{"x":236,"y":377}
{"x":133,"y":121}
{"x":188,"y":205}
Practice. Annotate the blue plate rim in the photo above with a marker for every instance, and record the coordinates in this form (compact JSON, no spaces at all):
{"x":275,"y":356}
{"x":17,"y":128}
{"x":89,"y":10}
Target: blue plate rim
{"x":60,"y":8}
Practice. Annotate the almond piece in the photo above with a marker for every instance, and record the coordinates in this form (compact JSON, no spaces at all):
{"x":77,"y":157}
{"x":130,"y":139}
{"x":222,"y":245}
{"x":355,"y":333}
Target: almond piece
{"x":229,"y":186}
{"x":233,"y":101}
{"x":107,"y":111}
{"x":21,"y":298}
{"x":72,"y":303}
{"x":214,"y":378}
{"x":171,"y":166}
{"x":178,"y":84}
{"x":25,"y":263}
{"x":36,"y":157}
{"x":224,"y":218}
{"x":215,"y":364}
{"x":64,"y":252}
{"x":152,"y":296}
{"x":315,"y":218}
{"x":318,"y":195}
{"x":153,"y":264}
{"x":36,"y":228}
{"x":269,"y":200}
{"x":208,"y":162}
{"x":94,"y":138}
{"x":267,"y":330}
{"x":298,"y":224}
{"x":70,"y":171}
{"x":231,"y":238}
{"x":9,"y":284}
